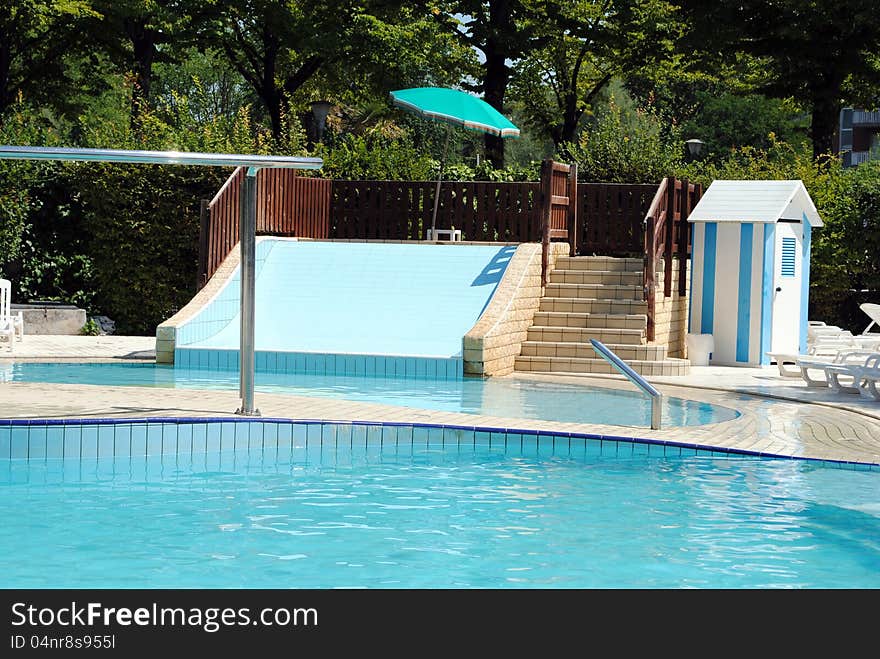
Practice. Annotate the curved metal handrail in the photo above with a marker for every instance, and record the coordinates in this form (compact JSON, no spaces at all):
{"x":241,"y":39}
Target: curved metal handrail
{"x":646,"y":387}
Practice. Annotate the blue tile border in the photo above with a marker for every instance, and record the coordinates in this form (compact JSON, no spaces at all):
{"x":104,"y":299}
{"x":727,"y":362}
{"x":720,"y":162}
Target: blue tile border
{"x":93,"y":438}
{"x":315,"y":363}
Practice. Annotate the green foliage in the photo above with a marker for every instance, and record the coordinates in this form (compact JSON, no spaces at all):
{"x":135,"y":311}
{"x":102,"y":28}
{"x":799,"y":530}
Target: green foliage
{"x":725,"y":121}
{"x":374,"y":155}
{"x":143,"y":227}
{"x":587,"y":44}
{"x":91,"y":328}
{"x":625,"y":147}
{"x":845,"y":267}
{"x":778,"y":161}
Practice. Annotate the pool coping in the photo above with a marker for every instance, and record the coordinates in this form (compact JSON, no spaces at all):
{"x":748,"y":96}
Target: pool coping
{"x":768,"y":427}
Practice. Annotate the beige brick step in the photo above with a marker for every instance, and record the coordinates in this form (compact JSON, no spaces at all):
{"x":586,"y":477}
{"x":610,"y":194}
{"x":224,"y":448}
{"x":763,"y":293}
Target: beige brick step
{"x":594,"y":291}
{"x":593,"y":305}
{"x":647,"y":368}
{"x":606,"y":277}
{"x":599,"y":263}
{"x":593,"y":320}
{"x":584,"y":334}
{"x":585,"y":350}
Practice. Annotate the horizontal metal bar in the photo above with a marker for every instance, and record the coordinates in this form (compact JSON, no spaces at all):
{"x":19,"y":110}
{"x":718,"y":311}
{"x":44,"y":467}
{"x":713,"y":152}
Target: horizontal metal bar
{"x":625,"y":369}
{"x":158,"y":157}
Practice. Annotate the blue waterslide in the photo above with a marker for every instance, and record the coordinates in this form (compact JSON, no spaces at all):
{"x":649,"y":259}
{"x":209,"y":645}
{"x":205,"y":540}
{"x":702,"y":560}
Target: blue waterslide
{"x":391,"y":299}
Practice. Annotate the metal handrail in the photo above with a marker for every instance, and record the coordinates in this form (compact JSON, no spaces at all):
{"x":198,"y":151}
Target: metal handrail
{"x":247,"y":220}
{"x":656,"y":397}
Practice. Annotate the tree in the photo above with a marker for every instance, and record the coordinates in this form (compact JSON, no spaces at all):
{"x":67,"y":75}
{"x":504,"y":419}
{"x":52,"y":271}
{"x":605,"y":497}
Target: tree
{"x":137,"y":34}
{"x":351,"y":50}
{"x":504,"y":31}
{"x":34,"y":35}
{"x":804,"y":50}
{"x":590,"y":42}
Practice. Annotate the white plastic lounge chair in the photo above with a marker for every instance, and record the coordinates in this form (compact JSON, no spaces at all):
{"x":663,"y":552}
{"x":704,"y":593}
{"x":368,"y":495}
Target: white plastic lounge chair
{"x":873,"y":312}
{"x":869,"y":387}
{"x":827,"y":349}
{"x":819,"y":364}
{"x":11,"y":325}
{"x":863,"y":377}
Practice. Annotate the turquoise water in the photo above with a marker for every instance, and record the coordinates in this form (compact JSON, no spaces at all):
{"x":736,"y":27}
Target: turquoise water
{"x":423,"y":517}
{"x":508,"y":397}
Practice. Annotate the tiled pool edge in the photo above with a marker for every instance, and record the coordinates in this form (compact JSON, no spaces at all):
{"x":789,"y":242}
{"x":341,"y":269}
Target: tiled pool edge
{"x":96,"y":438}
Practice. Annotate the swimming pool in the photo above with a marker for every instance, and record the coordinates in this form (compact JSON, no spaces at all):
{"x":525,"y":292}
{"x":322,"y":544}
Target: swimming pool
{"x":507,"y":397}
{"x":250,"y":504}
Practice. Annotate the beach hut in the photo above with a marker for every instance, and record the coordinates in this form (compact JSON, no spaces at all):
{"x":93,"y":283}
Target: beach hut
{"x":750,"y":269}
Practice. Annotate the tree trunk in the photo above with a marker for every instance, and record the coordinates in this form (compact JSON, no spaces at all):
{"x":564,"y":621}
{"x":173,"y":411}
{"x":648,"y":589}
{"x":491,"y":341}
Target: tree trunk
{"x":823,"y":124}
{"x":494,"y":86}
{"x":143,"y":43}
{"x":825,"y":100}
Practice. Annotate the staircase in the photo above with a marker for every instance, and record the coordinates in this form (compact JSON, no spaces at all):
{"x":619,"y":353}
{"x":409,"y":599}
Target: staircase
{"x":594,"y":297}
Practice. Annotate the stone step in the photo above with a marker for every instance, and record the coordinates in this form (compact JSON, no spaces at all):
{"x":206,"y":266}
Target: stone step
{"x":599,"y":263}
{"x":592,"y":320}
{"x":593,"y":305}
{"x":670,"y":366}
{"x":606,"y":277}
{"x":625,"y":351}
{"x":594,"y":291}
{"x":583,"y":335}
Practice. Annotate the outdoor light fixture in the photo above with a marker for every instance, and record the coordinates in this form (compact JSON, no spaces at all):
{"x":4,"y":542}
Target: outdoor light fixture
{"x":695,"y":148}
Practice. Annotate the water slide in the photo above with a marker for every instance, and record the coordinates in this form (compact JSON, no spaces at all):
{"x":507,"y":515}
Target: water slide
{"x":350,"y":307}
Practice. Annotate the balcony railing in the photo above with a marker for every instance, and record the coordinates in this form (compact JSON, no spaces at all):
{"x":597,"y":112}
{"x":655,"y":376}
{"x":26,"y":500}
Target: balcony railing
{"x":866,"y":118}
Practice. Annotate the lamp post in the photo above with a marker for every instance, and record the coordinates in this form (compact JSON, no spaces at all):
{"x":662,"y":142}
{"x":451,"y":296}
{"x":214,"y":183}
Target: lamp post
{"x":320,"y":110}
{"x":695,"y":148}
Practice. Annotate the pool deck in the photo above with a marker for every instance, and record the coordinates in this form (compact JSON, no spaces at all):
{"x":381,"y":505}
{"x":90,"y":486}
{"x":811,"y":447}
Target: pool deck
{"x":779,"y":416}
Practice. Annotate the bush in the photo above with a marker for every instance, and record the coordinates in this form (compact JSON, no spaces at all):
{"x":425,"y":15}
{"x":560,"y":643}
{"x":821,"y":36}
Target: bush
{"x":624,"y":148}
{"x":845,"y":268}
{"x":142,"y":223}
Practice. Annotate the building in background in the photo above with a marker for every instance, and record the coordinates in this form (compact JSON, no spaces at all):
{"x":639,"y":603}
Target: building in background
{"x":859,"y":136}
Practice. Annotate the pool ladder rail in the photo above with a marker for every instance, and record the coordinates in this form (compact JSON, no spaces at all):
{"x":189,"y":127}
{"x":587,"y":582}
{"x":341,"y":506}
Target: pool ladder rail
{"x":640,"y":382}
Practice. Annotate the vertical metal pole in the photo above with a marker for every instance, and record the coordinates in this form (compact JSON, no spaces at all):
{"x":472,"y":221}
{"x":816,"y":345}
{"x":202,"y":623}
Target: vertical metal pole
{"x":656,"y":411}
{"x":247,"y":239}
{"x":437,"y":190}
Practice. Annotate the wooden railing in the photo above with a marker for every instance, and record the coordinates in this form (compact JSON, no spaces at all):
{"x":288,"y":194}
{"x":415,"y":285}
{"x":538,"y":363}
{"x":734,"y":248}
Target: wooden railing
{"x":558,"y":208}
{"x":287,"y":205}
{"x":611,"y":218}
{"x":667,"y":235}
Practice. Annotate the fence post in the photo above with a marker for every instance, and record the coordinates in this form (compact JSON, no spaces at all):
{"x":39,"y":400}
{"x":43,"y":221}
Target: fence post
{"x":546,"y":196}
{"x":650,"y":274}
{"x":684,"y":234}
{"x":202,"y":264}
{"x":573,"y":226}
{"x":672,"y":192}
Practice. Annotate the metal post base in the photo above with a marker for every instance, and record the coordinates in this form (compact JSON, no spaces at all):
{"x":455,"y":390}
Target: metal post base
{"x":243,"y":412}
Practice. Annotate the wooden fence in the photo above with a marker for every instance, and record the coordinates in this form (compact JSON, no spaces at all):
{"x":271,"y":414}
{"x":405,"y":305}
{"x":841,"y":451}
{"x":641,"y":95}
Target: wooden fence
{"x":287,"y":205}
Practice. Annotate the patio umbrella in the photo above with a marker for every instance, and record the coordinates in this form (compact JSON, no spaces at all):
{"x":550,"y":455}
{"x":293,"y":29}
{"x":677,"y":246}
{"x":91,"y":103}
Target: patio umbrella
{"x":454,"y":107}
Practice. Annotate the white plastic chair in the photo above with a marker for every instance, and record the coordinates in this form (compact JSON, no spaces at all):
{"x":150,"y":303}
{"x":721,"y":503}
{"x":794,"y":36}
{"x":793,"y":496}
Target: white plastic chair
{"x":11,"y":325}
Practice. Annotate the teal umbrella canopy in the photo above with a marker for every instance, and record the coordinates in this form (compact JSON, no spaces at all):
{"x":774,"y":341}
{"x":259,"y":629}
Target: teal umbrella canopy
{"x":455,"y":107}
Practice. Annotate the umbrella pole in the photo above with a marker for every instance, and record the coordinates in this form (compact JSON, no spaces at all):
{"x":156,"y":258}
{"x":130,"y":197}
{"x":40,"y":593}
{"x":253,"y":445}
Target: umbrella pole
{"x":437,"y":190}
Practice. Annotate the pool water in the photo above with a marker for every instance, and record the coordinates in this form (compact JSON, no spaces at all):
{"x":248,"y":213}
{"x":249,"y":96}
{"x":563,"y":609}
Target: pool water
{"x":414,"y":516}
{"x":507,"y":397}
